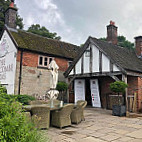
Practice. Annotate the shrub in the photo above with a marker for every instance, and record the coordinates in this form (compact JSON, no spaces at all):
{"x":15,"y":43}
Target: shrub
{"x":118,"y":86}
{"x":24,"y":99}
{"x":62,"y":86}
{"x":14,"y":126}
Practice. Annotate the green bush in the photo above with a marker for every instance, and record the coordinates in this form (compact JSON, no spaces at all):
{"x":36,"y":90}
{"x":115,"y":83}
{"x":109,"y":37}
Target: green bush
{"x":118,"y":86}
{"x":24,"y":99}
{"x":62,"y":86}
{"x":14,"y":126}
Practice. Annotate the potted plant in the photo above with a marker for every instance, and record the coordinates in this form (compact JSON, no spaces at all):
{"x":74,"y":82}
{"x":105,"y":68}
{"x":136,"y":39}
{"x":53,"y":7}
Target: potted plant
{"x":118,"y":87}
{"x":62,"y":87}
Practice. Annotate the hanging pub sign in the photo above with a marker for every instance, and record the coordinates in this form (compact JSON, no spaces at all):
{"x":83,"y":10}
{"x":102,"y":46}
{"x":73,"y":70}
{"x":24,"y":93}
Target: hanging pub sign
{"x":95,"y":95}
{"x":79,"y":87}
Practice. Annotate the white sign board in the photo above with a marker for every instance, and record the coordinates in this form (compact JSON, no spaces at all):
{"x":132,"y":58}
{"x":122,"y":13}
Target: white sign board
{"x":79,"y":87}
{"x":95,"y":93}
{"x":7,"y":63}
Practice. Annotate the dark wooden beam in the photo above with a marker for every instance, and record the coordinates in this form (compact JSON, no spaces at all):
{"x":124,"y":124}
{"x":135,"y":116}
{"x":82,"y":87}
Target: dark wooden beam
{"x":124,"y":78}
{"x":100,"y":61}
{"x":115,"y":77}
{"x":97,"y":74}
{"x":82,"y":64}
{"x":111,"y":66}
{"x":131,"y":73}
{"x":91,"y":59}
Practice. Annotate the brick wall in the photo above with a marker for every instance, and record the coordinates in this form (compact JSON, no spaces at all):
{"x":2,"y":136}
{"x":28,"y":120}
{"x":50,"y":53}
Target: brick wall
{"x":31,"y":83}
{"x":135,"y":85}
{"x":62,"y":63}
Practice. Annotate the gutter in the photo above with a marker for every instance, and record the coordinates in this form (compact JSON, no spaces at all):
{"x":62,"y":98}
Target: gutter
{"x":20,"y":73}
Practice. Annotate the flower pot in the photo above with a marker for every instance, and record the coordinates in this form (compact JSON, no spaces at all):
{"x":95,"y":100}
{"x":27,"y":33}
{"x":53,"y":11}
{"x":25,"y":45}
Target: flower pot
{"x":119,"y":110}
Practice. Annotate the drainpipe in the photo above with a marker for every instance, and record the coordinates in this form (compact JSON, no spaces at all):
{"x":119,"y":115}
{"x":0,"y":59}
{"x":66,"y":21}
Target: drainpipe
{"x":20,"y":73}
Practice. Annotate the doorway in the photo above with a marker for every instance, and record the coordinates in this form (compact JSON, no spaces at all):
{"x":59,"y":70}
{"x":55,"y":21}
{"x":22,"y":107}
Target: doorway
{"x":88,"y":92}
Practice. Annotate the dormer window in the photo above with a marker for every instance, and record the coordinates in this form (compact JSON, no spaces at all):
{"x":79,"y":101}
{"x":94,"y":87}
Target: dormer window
{"x":44,"y":61}
{"x":87,"y":53}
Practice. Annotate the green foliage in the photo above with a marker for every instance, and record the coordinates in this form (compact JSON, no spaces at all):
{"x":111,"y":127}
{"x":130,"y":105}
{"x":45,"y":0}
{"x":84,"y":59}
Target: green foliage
{"x":3,"y":6}
{"x":37,"y":29}
{"x":24,"y":99}
{"x":19,"y":22}
{"x":125,"y":43}
{"x":118,"y":86}
{"x":62,"y":86}
{"x":14,"y":125}
{"x":122,"y":42}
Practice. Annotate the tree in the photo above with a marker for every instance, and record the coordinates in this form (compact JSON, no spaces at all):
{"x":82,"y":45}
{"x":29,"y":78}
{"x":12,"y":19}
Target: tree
{"x":122,"y":42}
{"x":3,"y":6}
{"x":37,"y":29}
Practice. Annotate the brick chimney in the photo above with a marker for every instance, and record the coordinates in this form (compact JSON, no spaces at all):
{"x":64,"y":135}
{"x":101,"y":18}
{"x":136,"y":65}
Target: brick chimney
{"x":138,"y":45}
{"x":112,"y":33}
{"x":10,"y":16}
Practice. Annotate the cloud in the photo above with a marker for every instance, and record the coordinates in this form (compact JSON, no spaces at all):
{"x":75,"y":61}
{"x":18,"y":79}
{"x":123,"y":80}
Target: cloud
{"x":75,"y":20}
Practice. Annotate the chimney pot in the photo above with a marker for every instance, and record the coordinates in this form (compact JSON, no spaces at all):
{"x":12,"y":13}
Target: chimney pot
{"x":11,"y":5}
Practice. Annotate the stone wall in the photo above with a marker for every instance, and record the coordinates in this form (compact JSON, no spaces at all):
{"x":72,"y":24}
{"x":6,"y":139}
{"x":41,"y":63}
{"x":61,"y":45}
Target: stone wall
{"x":34,"y":79}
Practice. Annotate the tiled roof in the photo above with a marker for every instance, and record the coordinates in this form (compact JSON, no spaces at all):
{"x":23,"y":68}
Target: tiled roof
{"x":33,"y":42}
{"x":123,"y":57}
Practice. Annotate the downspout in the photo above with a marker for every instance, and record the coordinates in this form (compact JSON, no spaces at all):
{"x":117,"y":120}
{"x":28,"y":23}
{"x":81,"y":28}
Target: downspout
{"x":20,"y":73}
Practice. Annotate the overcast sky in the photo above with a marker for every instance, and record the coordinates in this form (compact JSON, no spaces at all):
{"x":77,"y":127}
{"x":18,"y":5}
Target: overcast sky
{"x":75,"y":20}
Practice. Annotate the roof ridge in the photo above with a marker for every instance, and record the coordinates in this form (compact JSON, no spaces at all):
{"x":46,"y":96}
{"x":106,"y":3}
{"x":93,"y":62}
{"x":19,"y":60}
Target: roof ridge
{"x":118,"y":46}
{"x":45,"y":37}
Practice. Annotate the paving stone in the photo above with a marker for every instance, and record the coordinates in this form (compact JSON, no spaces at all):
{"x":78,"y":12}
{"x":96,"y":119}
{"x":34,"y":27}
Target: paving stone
{"x":99,"y":126}
{"x":136,"y":134}
{"x":96,"y":134}
{"x":136,"y":140}
{"x":91,"y":139}
{"x":124,"y":139}
{"x":122,"y":132}
{"x":110,"y":137}
{"x":70,"y":140}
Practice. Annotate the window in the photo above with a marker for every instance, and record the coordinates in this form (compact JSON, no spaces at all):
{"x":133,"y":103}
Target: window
{"x":87,"y":53}
{"x":44,"y":61}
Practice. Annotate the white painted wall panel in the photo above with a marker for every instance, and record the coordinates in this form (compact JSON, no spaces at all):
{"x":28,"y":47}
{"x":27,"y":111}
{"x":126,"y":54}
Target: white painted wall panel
{"x":7,"y":62}
{"x":95,"y":63}
{"x":71,"y":73}
{"x":78,"y":67}
{"x":115,"y":68}
{"x":105,"y":64}
{"x":86,"y":63}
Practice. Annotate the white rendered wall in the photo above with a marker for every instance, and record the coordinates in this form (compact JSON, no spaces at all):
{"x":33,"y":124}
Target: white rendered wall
{"x":78,"y":67}
{"x":115,"y":68}
{"x":7,"y":62}
{"x":86,"y":63}
{"x":71,"y":73}
{"x":95,"y":62}
{"x":105,"y":64}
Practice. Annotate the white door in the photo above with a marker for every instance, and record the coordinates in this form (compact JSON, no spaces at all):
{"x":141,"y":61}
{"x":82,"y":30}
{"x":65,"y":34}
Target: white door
{"x":79,"y":88}
{"x":95,"y":95}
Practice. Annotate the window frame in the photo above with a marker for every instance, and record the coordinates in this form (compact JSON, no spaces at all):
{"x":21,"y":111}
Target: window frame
{"x":43,"y":61}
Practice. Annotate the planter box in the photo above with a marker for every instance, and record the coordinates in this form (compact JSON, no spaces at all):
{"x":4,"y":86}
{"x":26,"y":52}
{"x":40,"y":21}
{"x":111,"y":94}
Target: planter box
{"x":119,"y":110}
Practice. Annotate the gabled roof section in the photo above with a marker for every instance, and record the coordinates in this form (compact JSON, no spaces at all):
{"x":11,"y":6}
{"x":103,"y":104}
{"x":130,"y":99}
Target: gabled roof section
{"x":33,"y":42}
{"x":126,"y":59}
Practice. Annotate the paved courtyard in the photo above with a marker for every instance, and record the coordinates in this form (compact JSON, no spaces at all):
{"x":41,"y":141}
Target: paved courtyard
{"x":99,"y":126}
